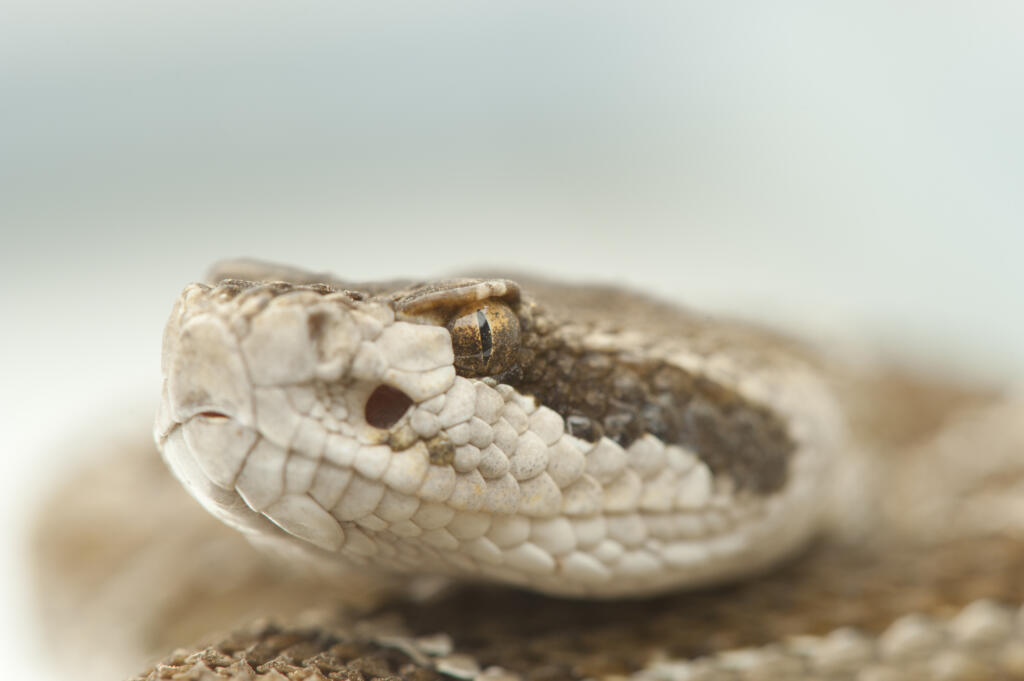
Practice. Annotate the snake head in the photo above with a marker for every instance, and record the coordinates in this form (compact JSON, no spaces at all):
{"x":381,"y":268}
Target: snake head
{"x":467,"y":427}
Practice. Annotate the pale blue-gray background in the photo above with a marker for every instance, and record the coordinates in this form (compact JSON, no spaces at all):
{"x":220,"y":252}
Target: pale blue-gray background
{"x":854,"y":170}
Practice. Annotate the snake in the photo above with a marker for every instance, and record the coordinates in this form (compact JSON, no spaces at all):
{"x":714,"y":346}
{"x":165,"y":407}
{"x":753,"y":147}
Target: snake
{"x":595,"y":483}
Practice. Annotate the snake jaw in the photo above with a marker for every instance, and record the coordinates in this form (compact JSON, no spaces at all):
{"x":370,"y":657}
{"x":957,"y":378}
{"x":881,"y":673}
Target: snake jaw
{"x":317,"y":416}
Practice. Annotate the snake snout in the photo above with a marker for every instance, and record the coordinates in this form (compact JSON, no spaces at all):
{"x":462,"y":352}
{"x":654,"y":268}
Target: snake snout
{"x":205,"y":373}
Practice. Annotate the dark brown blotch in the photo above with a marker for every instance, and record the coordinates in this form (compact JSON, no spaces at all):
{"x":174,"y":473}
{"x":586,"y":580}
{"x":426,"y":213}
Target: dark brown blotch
{"x":622,"y":397}
{"x":315,"y":324}
{"x":441,"y":450}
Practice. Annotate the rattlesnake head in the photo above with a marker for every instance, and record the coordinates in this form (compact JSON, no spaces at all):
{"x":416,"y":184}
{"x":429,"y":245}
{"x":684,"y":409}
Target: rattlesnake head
{"x":574,"y":441}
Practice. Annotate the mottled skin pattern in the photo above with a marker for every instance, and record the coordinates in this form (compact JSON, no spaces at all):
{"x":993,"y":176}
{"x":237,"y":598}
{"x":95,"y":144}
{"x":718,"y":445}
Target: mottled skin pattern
{"x":910,"y":524}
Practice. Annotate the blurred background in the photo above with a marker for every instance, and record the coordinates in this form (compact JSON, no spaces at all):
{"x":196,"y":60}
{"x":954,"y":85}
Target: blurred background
{"x":853,"y":171}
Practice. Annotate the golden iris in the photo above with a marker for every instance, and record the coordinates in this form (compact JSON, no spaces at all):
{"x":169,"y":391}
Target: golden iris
{"x":485,"y":338}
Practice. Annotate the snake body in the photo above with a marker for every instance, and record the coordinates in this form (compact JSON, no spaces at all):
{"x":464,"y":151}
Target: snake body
{"x":705,"y":499}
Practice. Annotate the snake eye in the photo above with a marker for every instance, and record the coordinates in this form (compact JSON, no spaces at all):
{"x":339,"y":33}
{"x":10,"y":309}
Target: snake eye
{"x":485,"y":338}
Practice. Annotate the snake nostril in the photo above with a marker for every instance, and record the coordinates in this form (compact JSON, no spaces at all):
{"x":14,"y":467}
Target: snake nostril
{"x":385,"y":406}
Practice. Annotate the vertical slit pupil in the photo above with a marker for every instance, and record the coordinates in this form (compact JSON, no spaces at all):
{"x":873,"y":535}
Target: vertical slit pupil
{"x":485,"y":335}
